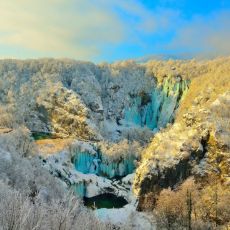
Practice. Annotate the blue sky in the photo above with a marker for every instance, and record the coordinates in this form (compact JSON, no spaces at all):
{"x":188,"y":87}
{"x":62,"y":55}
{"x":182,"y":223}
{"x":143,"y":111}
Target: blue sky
{"x":110,"y":30}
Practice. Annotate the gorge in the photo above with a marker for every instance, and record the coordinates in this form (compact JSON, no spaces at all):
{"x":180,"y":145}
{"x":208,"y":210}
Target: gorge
{"x":121,"y":132}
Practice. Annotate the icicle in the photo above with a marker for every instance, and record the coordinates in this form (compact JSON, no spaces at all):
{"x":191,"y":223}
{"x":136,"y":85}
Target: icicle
{"x":80,"y":189}
{"x":87,"y":163}
{"x":160,"y":110}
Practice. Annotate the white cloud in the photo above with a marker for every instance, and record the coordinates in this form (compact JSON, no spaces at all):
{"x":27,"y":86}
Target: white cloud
{"x":75,"y":28}
{"x":70,"y":28}
{"x":205,"y":36}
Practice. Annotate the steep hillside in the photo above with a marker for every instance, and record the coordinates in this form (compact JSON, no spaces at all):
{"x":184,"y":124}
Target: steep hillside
{"x":198,"y":143}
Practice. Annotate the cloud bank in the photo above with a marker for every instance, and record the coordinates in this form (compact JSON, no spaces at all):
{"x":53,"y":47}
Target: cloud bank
{"x":72,"y":28}
{"x":204,"y":36}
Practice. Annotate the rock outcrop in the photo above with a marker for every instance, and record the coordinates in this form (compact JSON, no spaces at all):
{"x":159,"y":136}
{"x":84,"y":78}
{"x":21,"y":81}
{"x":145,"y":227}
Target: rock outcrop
{"x":168,"y":160}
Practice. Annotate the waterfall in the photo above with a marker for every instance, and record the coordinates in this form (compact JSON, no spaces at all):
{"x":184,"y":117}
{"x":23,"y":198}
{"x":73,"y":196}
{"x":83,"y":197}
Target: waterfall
{"x":101,"y":165}
{"x":159,"y":111}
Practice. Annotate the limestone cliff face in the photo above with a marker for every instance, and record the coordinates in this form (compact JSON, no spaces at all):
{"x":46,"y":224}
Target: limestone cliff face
{"x":196,"y":144}
{"x":178,"y":152}
{"x":169,"y":159}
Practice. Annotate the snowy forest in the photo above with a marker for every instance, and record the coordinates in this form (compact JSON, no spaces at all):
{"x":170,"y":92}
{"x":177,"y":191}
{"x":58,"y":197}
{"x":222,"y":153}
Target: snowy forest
{"x":126,"y":145}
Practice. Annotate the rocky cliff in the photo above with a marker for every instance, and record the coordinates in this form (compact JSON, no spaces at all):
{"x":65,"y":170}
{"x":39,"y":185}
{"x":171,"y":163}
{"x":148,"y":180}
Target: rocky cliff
{"x":196,"y":144}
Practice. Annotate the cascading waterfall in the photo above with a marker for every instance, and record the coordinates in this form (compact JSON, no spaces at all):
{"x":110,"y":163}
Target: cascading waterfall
{"x":120,"y":168}
{"x":159,"y":110}
{"x":86,"y":162}
{"x":101,"y":165}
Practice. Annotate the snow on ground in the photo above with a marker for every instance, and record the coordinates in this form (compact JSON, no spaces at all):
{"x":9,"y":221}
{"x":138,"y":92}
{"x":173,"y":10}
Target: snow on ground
{"x":127,"y":217}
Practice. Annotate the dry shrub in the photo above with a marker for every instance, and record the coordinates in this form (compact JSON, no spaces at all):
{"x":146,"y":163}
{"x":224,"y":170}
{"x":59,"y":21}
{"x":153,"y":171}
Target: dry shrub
{"x":172,"y":209}
{"x":18,"y":212}
{"x":193,"y":207}
{"x":18,"y":141}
